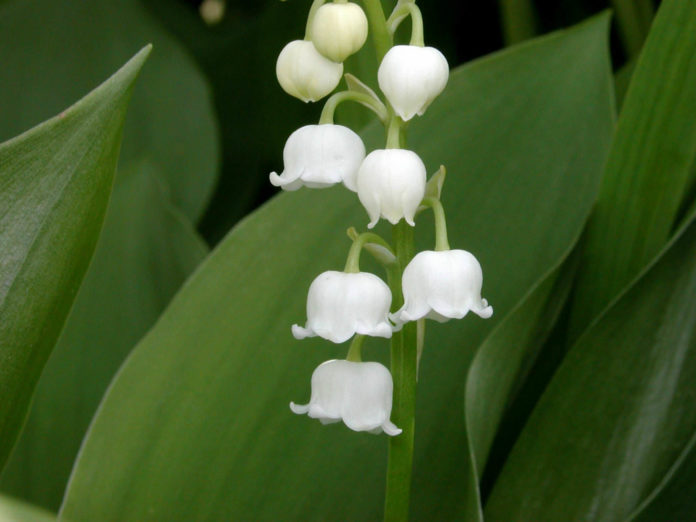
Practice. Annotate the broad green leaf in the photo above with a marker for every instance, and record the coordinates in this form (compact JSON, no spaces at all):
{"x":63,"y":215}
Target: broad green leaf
{"x":506,"y":356}
{"x":648,"y":168}
{"x":613,"y":420}
{"x":12,"y":510}
{"x":673,"y":498}
{"x":57,"y":50}
{"x":500,"y":367}
{"x":196,"y":425}
{"x":146,"y":250}
{"x":622,"y":79}
{"x":55,"y":182}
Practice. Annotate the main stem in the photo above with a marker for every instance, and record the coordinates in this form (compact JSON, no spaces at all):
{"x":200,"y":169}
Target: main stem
{"x":404,"y":351}
{"x":404,"y":367}
{"x":378,"y":27}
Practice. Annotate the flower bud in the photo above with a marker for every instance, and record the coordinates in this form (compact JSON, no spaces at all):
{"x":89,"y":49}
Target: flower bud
{"x":358,"y":393}
{"x":319,"y":156}
{"x":391,"y":184}
{"x":341,"y":304}
{"x":442,"y":285}
{"x":304,"y":73}
{"x":411,"y":77}
{"x":339,"y":30}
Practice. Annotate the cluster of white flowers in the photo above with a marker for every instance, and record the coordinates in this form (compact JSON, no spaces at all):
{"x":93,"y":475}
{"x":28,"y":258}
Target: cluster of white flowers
{"x":391,"y":183}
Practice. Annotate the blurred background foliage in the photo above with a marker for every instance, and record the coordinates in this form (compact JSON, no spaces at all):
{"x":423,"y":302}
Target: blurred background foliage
{"x":207,"y":124}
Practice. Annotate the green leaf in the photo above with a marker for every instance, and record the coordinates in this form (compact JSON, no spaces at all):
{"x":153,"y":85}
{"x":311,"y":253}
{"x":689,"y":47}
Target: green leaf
{"x":145,"y":252}
{"x":146,"y":249}
{"x":85,"y":43}
{"x":612,"y":422}
{"x":648,"y":167}
{"x":673,"y":498}
{"x":12,"y":510}
{"x":196,"y":425}
{"x":500,"y":367}
{"x":55,"y":182}
{"x":506,"y":356}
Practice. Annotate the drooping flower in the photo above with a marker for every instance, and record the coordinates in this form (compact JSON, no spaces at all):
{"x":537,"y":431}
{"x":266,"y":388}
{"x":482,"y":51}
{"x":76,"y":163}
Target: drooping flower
{"x":339,"y":30}
{"x":303,"y":72}
{"x":442,"y":285}
{"x":319,"y":156}
{"x":341,"y":304}
{"x":391,"y":184}
{"x":358,"y":393}
{"x":411,"y":77}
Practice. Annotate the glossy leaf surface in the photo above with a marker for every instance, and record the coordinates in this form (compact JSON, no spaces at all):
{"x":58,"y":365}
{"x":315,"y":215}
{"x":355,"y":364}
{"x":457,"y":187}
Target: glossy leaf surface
{"x":648,"y":168}
{"x":614,"y":419}
{"x":145,"y":252}
{"x":55,"y":183}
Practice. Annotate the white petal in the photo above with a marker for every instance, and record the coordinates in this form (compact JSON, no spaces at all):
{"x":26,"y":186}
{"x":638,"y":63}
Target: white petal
{"x":301,"y":333}
{"x":442,"y":285}
{"x":412,"y":77}
{"x":318,"y":156}
{"x":391,"y":184}
{"x":300,"y":409}
{"x":340,"y":305}
{"x":286,"y":181}
{"x":359,"y":393}
{"x":391,"y":429}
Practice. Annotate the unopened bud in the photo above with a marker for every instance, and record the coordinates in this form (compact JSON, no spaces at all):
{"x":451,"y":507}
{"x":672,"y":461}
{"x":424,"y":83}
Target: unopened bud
{"x":304,"y":73}
{"x":339,"y":30}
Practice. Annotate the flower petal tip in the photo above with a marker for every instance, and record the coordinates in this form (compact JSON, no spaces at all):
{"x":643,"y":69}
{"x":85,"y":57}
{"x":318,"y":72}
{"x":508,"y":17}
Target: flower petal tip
{"x":391,"y":429}
{"x":275,"y":179}
{"x":485,"y":311}
{"x":301,"y":333}
{"x":299,"y":409}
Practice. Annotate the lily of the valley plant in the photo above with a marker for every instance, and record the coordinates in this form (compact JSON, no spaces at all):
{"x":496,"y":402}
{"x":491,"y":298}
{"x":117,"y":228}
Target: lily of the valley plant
{"x":391,"y":183}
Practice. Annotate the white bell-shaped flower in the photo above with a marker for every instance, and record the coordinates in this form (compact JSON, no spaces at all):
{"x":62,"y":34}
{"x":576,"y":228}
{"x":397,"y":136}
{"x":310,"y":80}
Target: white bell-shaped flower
{"x":303,"y":72}
{"x":319,"y":156}
{"x":442,"y":285}
{"x":411,"y":77}
{"x":358,"y":393}
{"x":341,"y":304}
{"x":391,"y":184}
{"x":339,"y":30}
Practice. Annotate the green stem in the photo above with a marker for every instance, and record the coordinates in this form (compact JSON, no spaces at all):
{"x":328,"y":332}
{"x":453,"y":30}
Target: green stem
{"x":327,"y":113}
{"x":404,"y":373}
{"x":394,"y":132}
{"x":441,"y":242}
{"x":355,"y":350}
{"x":518,"y":19}
{"x":378,"y":27}
{"x":310,"y":18}
{"x":353,"y":260}
{"x":400,"y":13}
